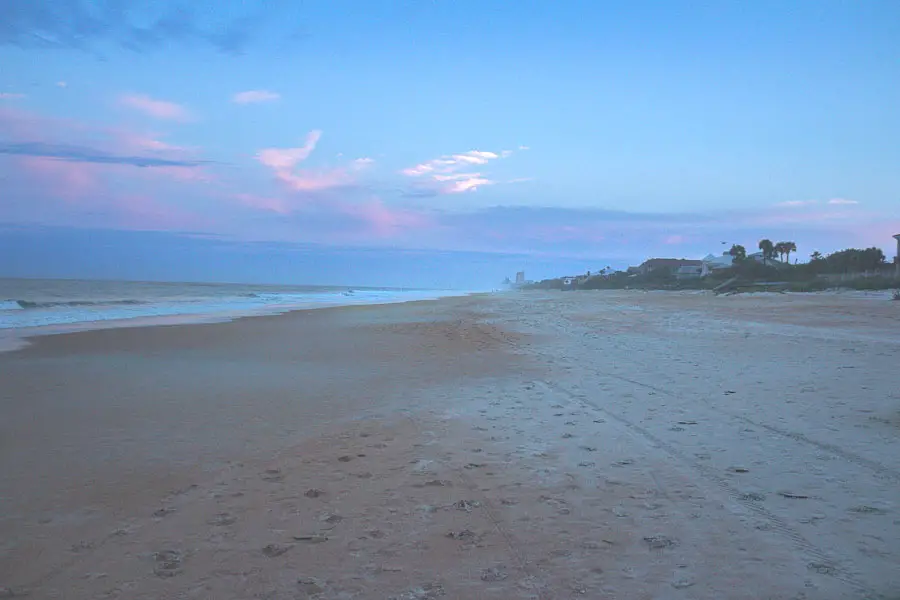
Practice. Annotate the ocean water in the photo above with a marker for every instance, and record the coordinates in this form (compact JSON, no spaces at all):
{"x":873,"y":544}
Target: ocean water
{"x":28,"y":303}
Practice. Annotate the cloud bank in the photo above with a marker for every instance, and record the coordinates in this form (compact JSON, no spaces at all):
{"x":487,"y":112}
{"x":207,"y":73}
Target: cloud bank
{"x":82,"y":154}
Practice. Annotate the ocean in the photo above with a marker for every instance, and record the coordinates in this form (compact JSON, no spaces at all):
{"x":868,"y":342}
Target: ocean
{"x":28,"y":303}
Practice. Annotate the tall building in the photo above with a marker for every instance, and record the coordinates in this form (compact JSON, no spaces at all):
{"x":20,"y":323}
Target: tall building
{"x":897,"y":258}
{"x":520,"y":278}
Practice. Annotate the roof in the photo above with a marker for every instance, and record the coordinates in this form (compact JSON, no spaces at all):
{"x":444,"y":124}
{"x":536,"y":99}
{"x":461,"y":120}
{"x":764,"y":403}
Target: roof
{"x":726,"y":260}
{"x":655,"y":263}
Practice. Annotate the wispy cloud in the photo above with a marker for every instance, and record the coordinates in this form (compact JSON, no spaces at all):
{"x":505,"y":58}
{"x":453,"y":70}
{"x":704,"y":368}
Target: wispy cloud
{"x":286,"y":158}
{"x":285,"y":162}
{"x":82,"y":154}
{"x":797,"y":203}
{"x":11,"y":96}
{"x":450,"y":163}
{"x":159,"y":109}
{"x":450,"y":173}
{"x":802,"y":203}
{"x":255,"y":97}
{"x":89,"y":26}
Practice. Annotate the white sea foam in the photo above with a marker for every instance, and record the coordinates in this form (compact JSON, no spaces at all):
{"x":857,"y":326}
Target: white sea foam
{"x":30,"y":303}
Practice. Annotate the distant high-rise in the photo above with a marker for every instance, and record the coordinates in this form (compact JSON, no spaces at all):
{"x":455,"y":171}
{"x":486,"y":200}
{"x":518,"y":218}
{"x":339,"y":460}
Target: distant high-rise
{"x":897,"y":258}
{"x":520,"y":277}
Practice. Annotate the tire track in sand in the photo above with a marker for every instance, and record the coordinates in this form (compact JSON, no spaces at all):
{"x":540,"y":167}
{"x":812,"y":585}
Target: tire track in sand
{"x":822,"y":560}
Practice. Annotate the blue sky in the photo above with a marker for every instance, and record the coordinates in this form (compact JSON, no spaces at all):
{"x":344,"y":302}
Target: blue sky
{"x":561,"y":134}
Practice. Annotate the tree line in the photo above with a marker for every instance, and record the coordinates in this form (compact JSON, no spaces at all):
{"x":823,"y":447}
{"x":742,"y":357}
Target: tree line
{"x":849,"y":261}
{"x":769,"y":251}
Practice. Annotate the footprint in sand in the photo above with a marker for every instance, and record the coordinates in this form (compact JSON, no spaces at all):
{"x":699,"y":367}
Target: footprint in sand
{"x":659,"y":542}
{"x":168,"y":563}
{"x":309,"y":587}
{"x":494,"y":574}
{"x":273,"y":550}
{"x":272,"y":475}
{"x":222,"y":519}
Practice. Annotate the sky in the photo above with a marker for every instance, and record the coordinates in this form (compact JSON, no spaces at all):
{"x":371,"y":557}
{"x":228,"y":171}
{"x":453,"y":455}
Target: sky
{"x":439,"y":142}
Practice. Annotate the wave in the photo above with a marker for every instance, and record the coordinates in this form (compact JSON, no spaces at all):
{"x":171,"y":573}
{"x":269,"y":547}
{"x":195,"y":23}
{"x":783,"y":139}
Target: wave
{"x":10,"y":305}
{"x":26,"y":304}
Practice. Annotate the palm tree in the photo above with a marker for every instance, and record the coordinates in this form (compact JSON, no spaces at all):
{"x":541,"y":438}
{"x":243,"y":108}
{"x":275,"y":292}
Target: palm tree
{"x":815,"y":256}
{"x":768,"y":249}
{"x":778,"y":249}
{"x":738,"y":252}
{"x":788,"y":248}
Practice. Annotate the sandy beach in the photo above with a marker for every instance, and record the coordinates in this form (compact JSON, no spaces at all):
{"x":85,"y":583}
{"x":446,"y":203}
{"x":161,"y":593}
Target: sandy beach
{"x":534,"y":445}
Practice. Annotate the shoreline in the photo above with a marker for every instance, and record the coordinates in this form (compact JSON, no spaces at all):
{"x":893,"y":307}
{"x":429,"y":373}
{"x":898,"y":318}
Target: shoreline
{"x":13,"y":339}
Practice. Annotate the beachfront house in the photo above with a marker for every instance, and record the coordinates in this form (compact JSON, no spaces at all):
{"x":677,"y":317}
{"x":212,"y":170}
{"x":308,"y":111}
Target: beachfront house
{"x":712,"y":263}
{"x":689,"y":271}
{"x":668,"y":264}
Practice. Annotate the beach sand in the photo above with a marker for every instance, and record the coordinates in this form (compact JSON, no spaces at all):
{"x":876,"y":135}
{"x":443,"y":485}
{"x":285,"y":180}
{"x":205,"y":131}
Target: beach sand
{"x":524,"y":445}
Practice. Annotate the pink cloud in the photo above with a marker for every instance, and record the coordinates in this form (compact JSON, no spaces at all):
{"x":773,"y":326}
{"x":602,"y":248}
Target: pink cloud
{"x":802,"y":203}
{"x":284,"y":164}
{"x":159,"y":109}
{"x":134,"y":211}
{"x":673,"y":240}
{"x":309,"y":181}
{"x":255,"y":97}
{"x":26,"y":125}
{"x":70,"y":193}
{"x":385,"y":221}
{"x":135,"y":142}
{"x":78,"y":187}
{"x":67,"y":180}
{"x":267,"y":203}
{"x":287,"y":158}
{"x":797,"y":203}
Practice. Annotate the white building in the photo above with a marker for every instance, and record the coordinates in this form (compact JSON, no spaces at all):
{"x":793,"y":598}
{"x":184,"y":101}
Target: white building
{"x":713,"y":263}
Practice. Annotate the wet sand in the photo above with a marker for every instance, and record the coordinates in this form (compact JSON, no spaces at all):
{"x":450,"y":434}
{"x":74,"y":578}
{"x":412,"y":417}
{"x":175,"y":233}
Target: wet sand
{"x":534,"y":445}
